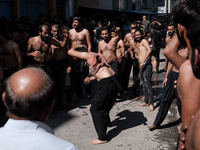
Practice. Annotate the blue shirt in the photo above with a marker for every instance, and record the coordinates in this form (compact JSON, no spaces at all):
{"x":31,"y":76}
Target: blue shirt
{"x":30,"y":135}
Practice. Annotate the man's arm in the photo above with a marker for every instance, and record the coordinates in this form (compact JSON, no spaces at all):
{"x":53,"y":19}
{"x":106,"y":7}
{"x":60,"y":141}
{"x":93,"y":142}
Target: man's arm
{"x":122,"y":48}
{"x":171,"y":52}
{"x":146,"y":45}
{"x":99,"y":47}
{"x":126,"y":43}
{"x":169,"y":68}
{"x":77,"y":54}
{"x":88,"y":38}
{"x":17,"y":52}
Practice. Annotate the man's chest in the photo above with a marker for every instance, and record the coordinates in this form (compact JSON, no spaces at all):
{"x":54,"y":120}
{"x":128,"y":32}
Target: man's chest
{"x":77,"y":36}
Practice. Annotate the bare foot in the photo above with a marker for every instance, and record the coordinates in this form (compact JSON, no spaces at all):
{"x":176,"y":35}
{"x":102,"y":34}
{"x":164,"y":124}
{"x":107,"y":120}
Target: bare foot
{"x":143,"y":104}
{"x":97,"y":141}
{"x":152,"y":127}
{"x":151,"y":108}
{"x":142,"y":98}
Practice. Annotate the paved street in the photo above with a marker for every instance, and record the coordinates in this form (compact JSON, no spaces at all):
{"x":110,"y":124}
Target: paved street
{"x":129,"y":131}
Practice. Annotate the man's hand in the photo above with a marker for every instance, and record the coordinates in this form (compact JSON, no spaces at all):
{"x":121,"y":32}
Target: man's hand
{"x":87,"y":80}
{"x":36,"y":54}
{"x":141,"y":65}
{"x":164,"y":82}
{"x":69,"y":69}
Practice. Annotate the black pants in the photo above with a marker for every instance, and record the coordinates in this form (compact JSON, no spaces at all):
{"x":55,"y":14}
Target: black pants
{"x":145,"y":76}
{"x":115,"y":67}
{"x":58,"y":75}
{"x":136,"y":80}
{"x":79,"y":73}
{"x":128,"y":65}
{"x":102,"y":103}
{"x":168,"y":96}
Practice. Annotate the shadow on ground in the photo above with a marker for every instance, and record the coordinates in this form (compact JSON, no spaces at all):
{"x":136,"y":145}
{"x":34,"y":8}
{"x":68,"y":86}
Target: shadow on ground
{"x":126,"y":119}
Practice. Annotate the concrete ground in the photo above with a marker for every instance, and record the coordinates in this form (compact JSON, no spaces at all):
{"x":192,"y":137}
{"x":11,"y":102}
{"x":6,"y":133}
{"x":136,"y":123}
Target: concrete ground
{"x":129,"y":131}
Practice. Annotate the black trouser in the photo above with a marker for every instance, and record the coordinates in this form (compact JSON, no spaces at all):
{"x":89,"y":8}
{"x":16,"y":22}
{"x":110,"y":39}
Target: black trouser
{"x":145,"y":76}
{"x":58,"y":75}
{"x":128,"y":65}
{"x":136,"y":80}
{"x":168,"y":96}
{"x":102,"y":103}
{"x":115,"y":67}
{"x":79,"y":73}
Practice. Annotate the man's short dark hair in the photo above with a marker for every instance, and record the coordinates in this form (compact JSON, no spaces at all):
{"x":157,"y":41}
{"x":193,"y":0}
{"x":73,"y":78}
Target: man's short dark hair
{"x":186,"y":12}
{"x":152,"y":26}
{"x":41,"y":26}
{"x":31,"y":106}
{"x":105,"y":28}
{"x":77,"y":18}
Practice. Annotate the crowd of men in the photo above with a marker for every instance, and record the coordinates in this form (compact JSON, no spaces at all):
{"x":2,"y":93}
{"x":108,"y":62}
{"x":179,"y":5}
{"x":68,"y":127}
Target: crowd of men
{"x":73,"y":56}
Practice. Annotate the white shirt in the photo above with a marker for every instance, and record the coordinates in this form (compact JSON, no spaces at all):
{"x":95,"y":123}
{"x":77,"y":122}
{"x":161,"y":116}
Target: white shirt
{"x":30,"y":135}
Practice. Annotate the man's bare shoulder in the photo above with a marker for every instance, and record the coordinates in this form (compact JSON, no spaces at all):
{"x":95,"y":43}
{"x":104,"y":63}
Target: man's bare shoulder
{"x":34,"y":39}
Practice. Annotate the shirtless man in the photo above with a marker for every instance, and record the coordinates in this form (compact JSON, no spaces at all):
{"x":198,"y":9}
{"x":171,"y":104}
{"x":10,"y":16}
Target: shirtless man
{"x":188,"y":94}
{"x":136,"y":69}
{"x":38,"y":46}
{"x":120,"y":53}
{"x":141,"y":46}
{"x":58,"y":57}
{"x":108,"y":47}
{"x":79,"y":37}
{"x":10,"y":55}
{"x":21,"y":38}
{"x":106,"y":93}
{"x":169,"y":35}
{"x":129,"y":62}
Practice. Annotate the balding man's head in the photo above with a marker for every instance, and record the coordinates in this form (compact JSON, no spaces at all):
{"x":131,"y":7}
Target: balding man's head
{"x":29,"y":92}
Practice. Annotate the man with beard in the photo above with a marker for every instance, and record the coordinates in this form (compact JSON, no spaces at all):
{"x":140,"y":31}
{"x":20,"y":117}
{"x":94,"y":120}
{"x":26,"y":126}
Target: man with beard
{"x":141,"y":46}
{"x":136,"y":68}
{"x":38,"y":48}
{"x":59,"y":61}
{"x":79,"y":37}
{"x":169,"y":35}
{"x":184,"y":15}
{"x":108,"y":46}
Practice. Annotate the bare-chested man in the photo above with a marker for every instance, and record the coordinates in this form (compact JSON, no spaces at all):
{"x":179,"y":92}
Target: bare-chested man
{"x":136,"y":69}
{"x":106,"y":92}
{"x":79,"y":37}
{"x":169,"y":35}
{"x":141,"y":46}
{"x":129,"y":62}
{"x":188,"y":85}
{"x":108,"y":47}
{"x":38,"y":48}
{"x":120,"y":53}
{"x":59,"y":61}
{"x":10,"y":55}
{"x":21,"y":38}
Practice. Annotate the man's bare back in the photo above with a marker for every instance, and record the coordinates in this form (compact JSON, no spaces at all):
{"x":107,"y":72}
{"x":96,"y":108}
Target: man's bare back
{"x":10,"y":55}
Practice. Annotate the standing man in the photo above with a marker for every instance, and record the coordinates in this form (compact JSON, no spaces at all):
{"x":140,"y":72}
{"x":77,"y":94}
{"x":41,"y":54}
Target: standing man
{"x":38,"y":48}
{"x":136,"y":68}
{"x":29,"y":99}
{"x":59,"y":58}
{"x":10,"y":55}
{"x":79,"y":37}
{"x":108,"y":47}
{"x":188,"y":83}
{"x":141,"y":46}
{"x":155,"y":42}
{"x":129,"y":62}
